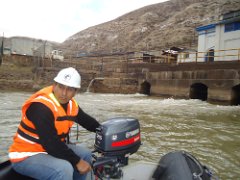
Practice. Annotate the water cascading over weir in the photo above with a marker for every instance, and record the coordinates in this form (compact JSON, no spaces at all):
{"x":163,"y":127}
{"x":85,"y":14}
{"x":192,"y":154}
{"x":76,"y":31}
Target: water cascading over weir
{"x":113,"y":85}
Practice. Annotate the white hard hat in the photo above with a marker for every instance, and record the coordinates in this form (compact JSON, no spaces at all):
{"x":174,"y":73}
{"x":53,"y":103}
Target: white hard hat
{"x":69,"y":77}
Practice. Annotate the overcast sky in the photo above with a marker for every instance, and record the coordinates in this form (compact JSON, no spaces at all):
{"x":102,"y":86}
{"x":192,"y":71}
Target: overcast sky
{"x":56,"y":20}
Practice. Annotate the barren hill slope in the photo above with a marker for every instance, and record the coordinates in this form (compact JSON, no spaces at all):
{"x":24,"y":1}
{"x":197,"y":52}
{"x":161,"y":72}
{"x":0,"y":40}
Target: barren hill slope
{"x":150,"y":28}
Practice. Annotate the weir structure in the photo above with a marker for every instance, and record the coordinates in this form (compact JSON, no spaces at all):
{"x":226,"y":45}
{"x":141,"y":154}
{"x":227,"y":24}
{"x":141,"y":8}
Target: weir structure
{"x":217,"y":81}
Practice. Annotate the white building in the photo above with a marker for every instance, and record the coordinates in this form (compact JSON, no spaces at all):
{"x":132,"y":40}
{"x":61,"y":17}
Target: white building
{"x":220,"y":41}
{"x":187,"y":55}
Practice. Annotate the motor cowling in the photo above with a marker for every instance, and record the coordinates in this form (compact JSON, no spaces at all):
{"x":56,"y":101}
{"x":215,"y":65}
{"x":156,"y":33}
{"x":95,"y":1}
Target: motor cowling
{"x":118,"y":136}
{"x":115,"y":140}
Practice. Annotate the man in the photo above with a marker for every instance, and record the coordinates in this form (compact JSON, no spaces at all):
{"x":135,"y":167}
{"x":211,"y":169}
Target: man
{"x":39,"y":149}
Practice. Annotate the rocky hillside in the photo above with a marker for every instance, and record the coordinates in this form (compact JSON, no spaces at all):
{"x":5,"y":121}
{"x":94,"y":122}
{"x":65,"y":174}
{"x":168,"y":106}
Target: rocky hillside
{"x":153,"y":27}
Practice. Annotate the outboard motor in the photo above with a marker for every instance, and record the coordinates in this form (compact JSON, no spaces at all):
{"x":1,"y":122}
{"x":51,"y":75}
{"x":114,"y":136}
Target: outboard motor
{"x":115,"y":140}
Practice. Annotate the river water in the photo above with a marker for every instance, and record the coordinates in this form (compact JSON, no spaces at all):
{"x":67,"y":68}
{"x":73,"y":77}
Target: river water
{"x":210,"y":132}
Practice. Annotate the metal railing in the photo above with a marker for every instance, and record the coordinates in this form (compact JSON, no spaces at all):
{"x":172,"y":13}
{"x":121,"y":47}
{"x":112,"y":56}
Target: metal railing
{"x":180,"y":57}
{"x":210,"y":56}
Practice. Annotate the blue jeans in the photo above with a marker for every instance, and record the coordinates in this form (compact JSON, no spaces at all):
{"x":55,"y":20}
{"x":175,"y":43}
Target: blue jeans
{"x":47,"y":167}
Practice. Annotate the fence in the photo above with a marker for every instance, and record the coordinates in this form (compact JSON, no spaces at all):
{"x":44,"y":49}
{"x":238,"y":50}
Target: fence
{"x":209,"y":56}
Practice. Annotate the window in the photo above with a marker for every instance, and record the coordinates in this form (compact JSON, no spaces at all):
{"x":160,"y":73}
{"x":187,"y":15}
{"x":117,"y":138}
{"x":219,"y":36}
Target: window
{"x":232,"y":26}
{"x":186,"y":55}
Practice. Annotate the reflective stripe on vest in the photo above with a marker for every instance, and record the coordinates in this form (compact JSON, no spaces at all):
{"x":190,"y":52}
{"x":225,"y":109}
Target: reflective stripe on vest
{"x":21,"y":155}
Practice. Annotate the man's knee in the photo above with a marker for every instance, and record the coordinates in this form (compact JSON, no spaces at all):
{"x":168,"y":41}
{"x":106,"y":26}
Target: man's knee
{"x":82,"y":152}
{"x":87,"y":156}
{"x":64,"y":170}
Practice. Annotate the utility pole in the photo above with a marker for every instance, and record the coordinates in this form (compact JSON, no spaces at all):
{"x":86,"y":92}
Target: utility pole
{"x":2,"y":49}
{"x":44,"y":52}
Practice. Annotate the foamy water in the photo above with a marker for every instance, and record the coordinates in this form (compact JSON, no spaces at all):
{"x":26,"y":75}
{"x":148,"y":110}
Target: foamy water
{"x":210,"y":132}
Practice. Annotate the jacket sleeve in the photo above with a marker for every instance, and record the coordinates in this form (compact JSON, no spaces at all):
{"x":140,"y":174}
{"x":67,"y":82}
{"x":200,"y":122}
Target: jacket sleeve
{"x":86,"y":121}
{"x":42,"y":118}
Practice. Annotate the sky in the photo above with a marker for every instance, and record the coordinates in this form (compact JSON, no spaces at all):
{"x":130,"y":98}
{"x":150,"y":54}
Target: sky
{"x":56,"y":20}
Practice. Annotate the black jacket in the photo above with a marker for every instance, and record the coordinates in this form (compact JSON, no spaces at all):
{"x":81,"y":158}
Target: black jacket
{"x":42,"y":117}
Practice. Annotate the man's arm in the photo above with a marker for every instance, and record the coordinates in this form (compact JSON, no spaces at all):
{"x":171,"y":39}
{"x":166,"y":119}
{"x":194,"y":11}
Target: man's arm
{"x":87,"y":121}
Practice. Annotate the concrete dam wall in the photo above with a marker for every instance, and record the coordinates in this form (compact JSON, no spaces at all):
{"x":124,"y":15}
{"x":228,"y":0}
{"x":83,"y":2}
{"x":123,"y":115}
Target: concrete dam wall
{"x":199,"y":84}
{"x":218,"y":81}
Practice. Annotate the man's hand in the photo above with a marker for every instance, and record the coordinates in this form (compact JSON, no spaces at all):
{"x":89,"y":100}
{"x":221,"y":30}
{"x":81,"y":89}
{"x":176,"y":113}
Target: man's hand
{"x":83,"y":167}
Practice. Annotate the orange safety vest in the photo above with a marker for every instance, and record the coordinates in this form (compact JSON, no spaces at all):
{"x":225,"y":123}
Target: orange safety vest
{"x":26,"y":140}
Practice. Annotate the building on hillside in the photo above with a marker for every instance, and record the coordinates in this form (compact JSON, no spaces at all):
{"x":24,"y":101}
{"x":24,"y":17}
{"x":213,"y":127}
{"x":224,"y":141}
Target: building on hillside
{"x":187,"y":55}
{"x":29,"y":46}
{"x":7,"y":51}
{"x":171,"y":54}
{"x":164,"y":56}
{"x":57,"y":54}
{"x":24,"y":45}
{"x":220,"y":41}
{"x":144,"y":56}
